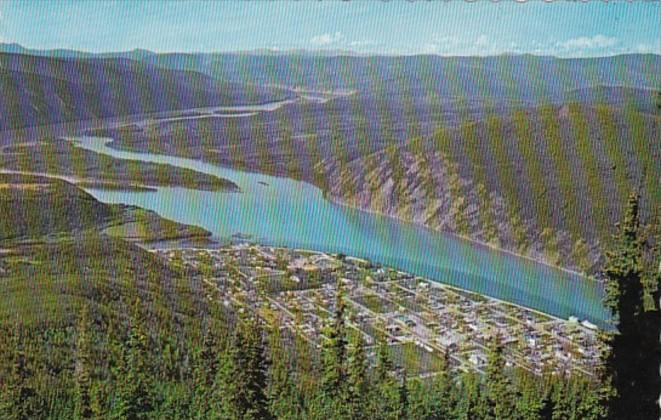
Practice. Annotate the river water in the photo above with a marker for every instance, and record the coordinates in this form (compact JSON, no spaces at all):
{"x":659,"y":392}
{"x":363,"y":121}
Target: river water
{"x":283,"y":212}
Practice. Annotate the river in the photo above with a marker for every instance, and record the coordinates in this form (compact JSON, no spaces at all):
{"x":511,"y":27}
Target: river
{"x":283,"y":212}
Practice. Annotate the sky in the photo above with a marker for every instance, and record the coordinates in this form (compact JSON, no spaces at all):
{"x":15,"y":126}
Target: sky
{"x":560,"y":28}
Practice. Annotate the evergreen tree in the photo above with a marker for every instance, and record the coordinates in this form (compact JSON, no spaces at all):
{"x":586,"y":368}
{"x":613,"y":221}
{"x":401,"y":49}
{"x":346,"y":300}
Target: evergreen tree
{"x":441,"y":392}
{"x":240,"y":386}
{"x":386,"y":400}
{"x":384,"y":394}
{"x":561,"y":400}
{"x":635,"y":354}
{"x":473,"y":403}
{"x":282,"y":394}
{"x":384,"y":366}
{"x":531,"y":402}
{"x":83,"y":371}
{"x":357,"y":380}
{"x":134,"y":381}
{"x":334,"y":349}
{"x":227,"y":402}
{"x":204,"y":372}
{"x":498,"y":385}
{"x":17,"y":394}
{"x":254,"y":365}
{"x":403,"y":406}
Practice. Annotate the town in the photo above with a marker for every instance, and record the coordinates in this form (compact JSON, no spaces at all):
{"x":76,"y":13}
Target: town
{"x":424,"y":322}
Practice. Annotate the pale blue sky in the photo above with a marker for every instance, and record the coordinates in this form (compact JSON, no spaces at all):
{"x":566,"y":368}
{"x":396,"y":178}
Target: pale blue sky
{"x":407,"y":27}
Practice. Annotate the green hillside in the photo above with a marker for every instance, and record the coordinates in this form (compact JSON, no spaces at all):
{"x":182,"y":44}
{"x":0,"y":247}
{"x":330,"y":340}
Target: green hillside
{"x":62,"y":158}
{"x":37,"y":207}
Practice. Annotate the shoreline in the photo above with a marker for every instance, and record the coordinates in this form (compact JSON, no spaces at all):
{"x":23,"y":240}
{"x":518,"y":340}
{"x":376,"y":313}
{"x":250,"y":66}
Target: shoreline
{"x":112,"y":144}
{"x":433,"y":283}
{"x":462,"y":237}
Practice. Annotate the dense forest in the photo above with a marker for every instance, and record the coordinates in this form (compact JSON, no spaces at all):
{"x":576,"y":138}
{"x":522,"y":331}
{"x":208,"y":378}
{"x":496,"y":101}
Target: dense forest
{"x":86,"y":335}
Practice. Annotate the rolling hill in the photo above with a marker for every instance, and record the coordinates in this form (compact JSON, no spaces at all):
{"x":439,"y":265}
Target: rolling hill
{"x":39,"y":90}
{"x":73,"y":212}
{"x":547,"y":182}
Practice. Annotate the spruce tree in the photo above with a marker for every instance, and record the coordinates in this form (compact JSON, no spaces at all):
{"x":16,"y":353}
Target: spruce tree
{"x":357,"y":380}
{"x":204,"y":372}
{"x":531,"y":402}
{"x":17,"y":393}
{"x":498,"y":384}
{"x":441,"y":393}
{"x":384,"y":365}
{"x":635,"y":350}
{"x":83,"y":370}
{"x":134,"y":381}
{"x":240,"y":385}
{"x":384,"y":395}
{"x":403,"y":406}
{"x":253,"y":362}
{"x":472,"y":403}
{"x":334,"y":349}
{"x":282,"y":394}
{"x":227,"y":401}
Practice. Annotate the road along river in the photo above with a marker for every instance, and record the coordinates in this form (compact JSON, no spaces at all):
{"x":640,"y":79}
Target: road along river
{"x":283,"y":212}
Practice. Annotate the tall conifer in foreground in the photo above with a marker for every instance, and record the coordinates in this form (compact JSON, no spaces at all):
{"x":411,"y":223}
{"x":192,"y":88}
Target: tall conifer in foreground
{"x":497,"y":383}
{"x":83,"y":369}
{"x":634,"y":356}
{"x":334,"y":350}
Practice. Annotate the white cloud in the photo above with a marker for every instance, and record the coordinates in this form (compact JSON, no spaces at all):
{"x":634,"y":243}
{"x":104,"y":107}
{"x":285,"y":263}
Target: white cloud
{"x":648,"y":48}
{"x":430,"y":48}
{"x":362,"y":43}
{"x":589,"y":43}
{"x":440,"y":45}
{"x":488,"y":44}
{"x":481,"y":41}
{"x":327,"y":39}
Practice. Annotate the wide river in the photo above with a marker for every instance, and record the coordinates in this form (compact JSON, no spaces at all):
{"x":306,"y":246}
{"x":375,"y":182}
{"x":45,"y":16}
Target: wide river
{"x":284,"y":212}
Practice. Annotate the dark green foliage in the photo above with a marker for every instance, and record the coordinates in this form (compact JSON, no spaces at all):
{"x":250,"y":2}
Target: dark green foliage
{"x":18,"y":398}
{"x":240,"y":385}
{"x":84,"y":368}
{"x":472,"y":403}
{"x":204,"y":372}
{"x":498,"y":386}
{"x":334,"y":350}
{"x":134,"y":371}
{"x":284,"y":397}
{"x":635,"y":356}
{"x":357,"y":376}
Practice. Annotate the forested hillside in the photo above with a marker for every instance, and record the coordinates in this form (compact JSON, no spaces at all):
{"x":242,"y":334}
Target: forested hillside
{"x":41,"y":208}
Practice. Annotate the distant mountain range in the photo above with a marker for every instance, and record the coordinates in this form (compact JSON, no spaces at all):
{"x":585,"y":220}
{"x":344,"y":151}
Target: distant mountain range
{"x":39,"y":90}
{"x":42,"y":87}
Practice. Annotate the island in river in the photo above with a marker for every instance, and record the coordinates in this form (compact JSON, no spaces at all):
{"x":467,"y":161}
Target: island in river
{"x":93,"y":170}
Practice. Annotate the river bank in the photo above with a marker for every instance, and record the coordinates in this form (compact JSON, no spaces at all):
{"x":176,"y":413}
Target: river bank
{"x":296,"y":214}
